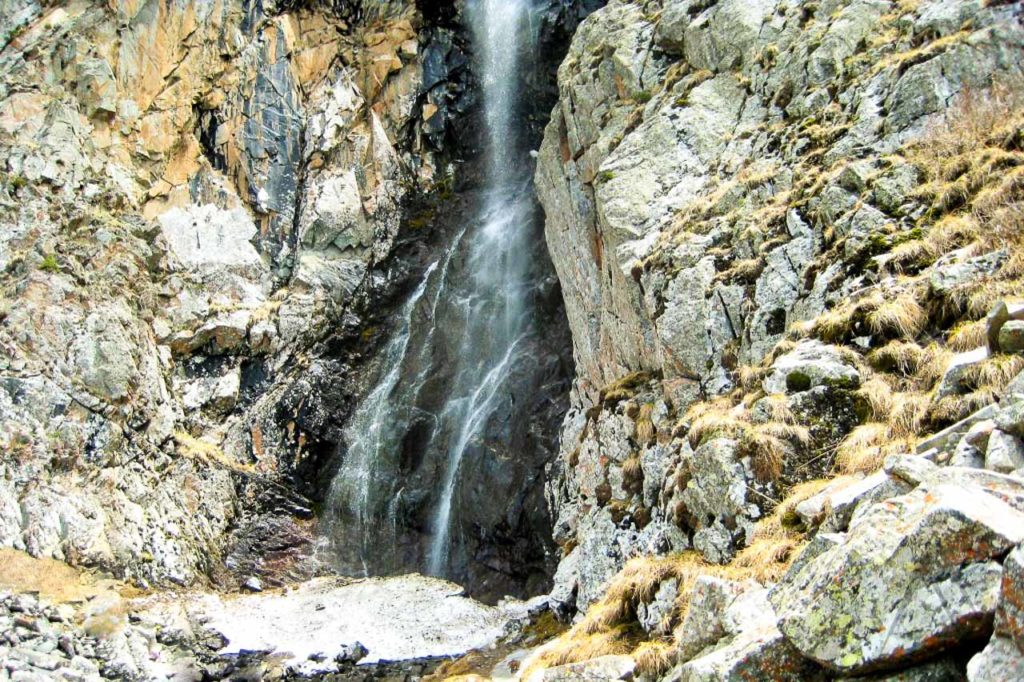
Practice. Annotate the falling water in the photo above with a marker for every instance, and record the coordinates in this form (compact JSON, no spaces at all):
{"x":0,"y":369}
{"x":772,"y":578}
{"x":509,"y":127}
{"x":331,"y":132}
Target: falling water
{"x":466,"y":327}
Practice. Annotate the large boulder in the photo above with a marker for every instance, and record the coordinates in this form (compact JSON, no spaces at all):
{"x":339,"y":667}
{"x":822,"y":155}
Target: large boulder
{"x":749,"y":646}
{"x":811,"y":364}
{"x":919,"y":573}
{"x":1010,"y":616}
{"x":1000,"y":660}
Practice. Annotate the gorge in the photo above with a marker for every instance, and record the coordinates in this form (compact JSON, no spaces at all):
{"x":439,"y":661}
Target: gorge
{"x":459,"y":376}
{"x":654,"y":340}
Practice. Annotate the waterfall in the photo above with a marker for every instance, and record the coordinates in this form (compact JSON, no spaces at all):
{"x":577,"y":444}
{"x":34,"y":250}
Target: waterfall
{"x":443,"y":377}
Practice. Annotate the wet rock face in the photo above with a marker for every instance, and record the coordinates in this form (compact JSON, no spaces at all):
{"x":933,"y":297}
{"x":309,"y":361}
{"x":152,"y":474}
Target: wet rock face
{"x":203,"y":210}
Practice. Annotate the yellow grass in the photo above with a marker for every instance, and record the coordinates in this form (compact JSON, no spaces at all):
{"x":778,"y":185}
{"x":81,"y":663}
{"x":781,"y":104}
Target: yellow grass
{"x":644,"y":425}
{"x":968,"y":335}
{"x":901,"y":317}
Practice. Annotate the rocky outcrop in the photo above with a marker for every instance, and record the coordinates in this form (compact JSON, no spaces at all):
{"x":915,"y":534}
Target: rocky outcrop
{"x":732,"y":193}
{"x":194,"y":201}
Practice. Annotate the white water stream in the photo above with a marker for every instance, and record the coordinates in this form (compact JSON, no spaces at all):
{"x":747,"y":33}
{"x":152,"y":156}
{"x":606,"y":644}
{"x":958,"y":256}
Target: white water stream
{"x":478,"y":296}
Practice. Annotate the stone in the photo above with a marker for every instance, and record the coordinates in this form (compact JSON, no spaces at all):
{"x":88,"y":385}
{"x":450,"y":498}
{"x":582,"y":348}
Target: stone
{"x":1010,"y":615}
{"x":703,"y":625}
{"x":909,"y":468}
{"x":946,"y":439}
{"x":811,"y":364}
{"x":651,"y":615}
{"x":1005,"y":452}
{"x":1001,"y":313}
{"x":1000,"y":660}
{"x":1010,"y":417}
{"x":252,"y":584}
{"x":1011,"y":337}
{"x":950,"y":384}
{"x":600,"y":669}
{"x":207,"y":237}
{"x":958,"y":268}
{"x":882,"y":616}
{"x":753,"y":648}
{"x":96,"y":88}
{"x":719,"y":490}
{"x":831,"y":509}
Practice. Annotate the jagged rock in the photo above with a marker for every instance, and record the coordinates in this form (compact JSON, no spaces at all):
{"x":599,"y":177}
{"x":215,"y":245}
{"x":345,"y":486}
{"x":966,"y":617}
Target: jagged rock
{"x":600,"y":669}
{"x":957,"y":268}
{"x":653,"y":613}
{"x":203,"y":237}
{"x":831,"y":509}
{"x":947,"y":438}
{"x":1000,"y":660}
{"x":95,"y":88}
{"x":718,"y":496}
{"x":1010,"y":418}
{"x":1001,"y":313}
{"x":909,"y":469}
{"x":1005,"y":452}
{"x":811,"y":364}
{"x":882,"y":616}
{"x":704,"y":624}
{"x":752,"y":648}
{"x":1011,"y":337}
{"x":950,"y":384}
{"x":1010,"y":615}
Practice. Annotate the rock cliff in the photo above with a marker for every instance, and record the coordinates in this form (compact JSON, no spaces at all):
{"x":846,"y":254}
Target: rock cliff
{"x":207,"y":214}
{"x":788,"y":239}
{"x":788,"y":236}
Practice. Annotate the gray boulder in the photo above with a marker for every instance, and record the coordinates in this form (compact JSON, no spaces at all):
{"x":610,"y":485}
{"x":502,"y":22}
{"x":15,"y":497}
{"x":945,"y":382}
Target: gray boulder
{"x":751,"y":649}
{"x":1001,"y":313}
{"x":1010,"y":616}
{"x":999,"y":661}
{"x":1005,"y":452}
{"x":811,"y":364}
{"x":1011,"y":337}
{"x":885,"y":615}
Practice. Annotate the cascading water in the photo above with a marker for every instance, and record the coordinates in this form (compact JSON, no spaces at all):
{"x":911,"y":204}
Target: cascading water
{"x":444,"y":389}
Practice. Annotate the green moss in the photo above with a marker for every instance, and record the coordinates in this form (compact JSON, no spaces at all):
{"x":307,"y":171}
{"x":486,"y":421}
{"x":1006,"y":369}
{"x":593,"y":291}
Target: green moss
{"x":49,"y":263}
{"x":17,"y":182}
{"x":642,"y":97}
{"x":797,"y":381}
{"x":605,"y":176}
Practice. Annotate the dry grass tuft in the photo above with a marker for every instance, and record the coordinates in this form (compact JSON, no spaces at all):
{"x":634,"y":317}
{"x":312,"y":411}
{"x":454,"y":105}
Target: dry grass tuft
{"x":633,"y":474}
{"x":902,"y":357}
{"x":55,"y":581}
{"x":867,"y":446}
{"x":645,"y":432}
{"x":932,"y":366}
{"x":750,"y":378}
{"x":766,"y":452}
{"x":876,"y":395}
{"x":653,"y":659}
{"x":907,"y":419}
{"x":711,"y":419}
{"x":993,"y":374}
{"x":968,"y":335}
{"x":902,"y":317}
{"x":204,"y":451}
